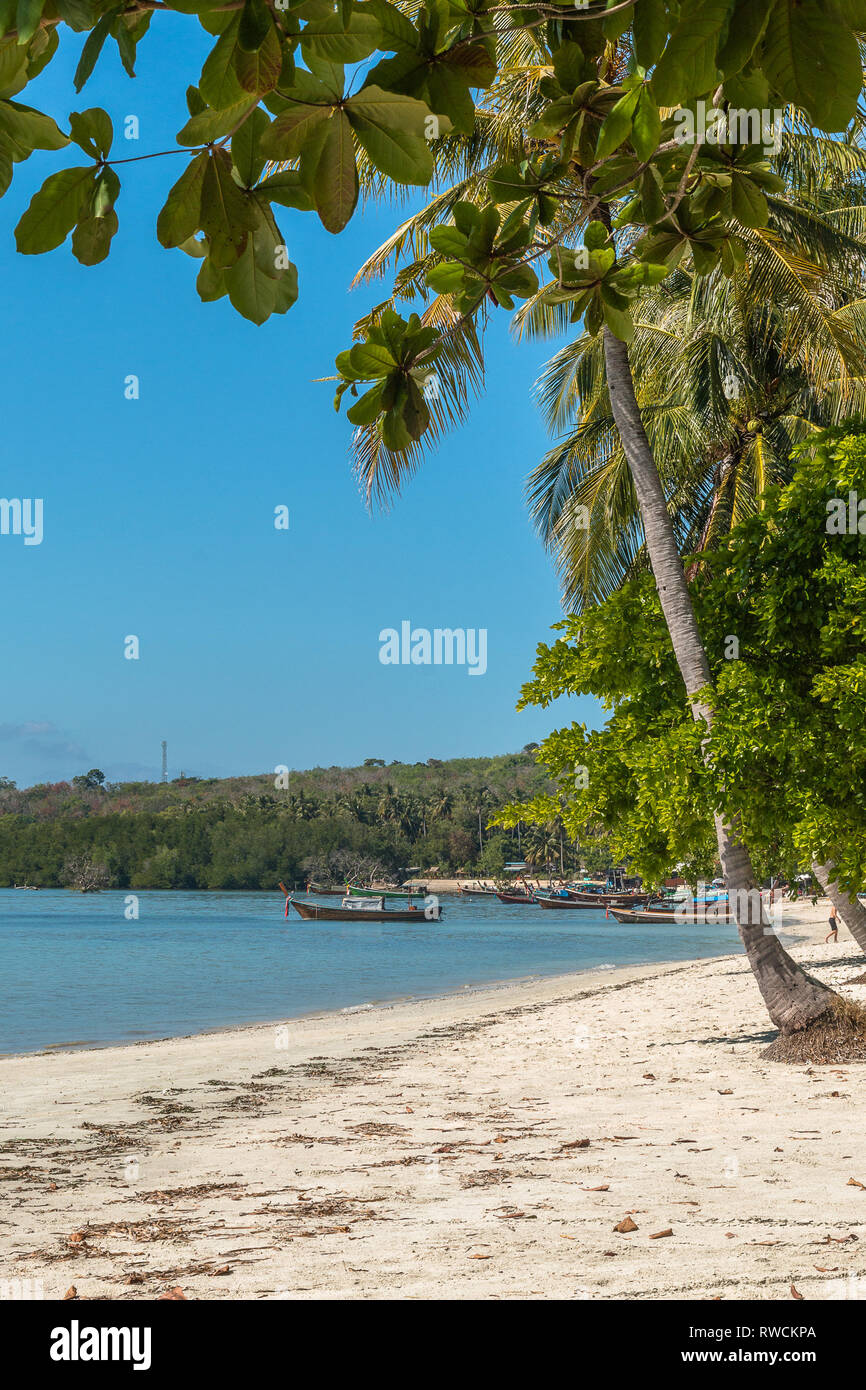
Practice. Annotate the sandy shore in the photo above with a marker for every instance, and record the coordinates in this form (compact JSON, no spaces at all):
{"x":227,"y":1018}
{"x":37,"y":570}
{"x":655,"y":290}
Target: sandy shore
{"x":483,"y":1145}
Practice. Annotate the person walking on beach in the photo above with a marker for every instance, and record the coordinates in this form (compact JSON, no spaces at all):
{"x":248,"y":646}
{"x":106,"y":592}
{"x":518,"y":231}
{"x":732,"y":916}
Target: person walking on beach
{"x":833,"y":933}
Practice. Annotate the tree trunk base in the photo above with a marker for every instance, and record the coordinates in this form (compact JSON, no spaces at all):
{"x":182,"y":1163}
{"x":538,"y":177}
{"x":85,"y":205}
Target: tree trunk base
{"x":838,"y":1035}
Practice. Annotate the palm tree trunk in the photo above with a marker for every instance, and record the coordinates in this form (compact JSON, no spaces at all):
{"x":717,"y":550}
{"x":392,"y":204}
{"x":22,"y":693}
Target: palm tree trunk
{"x":851,"y":910}
{"x":793,"y":999}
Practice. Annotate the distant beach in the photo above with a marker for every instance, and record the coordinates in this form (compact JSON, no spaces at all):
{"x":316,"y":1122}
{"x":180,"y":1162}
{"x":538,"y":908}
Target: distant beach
{"x":478,"y":1145}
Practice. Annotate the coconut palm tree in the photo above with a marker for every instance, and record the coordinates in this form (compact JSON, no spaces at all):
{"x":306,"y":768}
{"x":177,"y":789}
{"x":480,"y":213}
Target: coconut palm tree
{"x":789,"y":261}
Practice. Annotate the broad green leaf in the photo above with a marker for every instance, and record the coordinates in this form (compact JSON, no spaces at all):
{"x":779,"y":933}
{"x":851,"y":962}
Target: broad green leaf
{"x":748,"y":202}
{"x":286,"y":189}
{"x":30,"y":129}
{"x":181,"y":216}
{"x":745,"y":31}
{"x":246,"y":155}
{"x":646,"y":126}
{"x":78,"y":14}
{"x":251,"y":292}
{"x":336,"y":43}
{"x":54,"y":210}
{"x":92,"y":49}
{"x":27,"y":19}
{"x":219,"y":84}
{"x":391,"y":129}
{"x":616,"y":126}
{"x":92,"y":131}
{"x":227,"y":214}
{"x":13,"y":68}
{"x":650,"y":29}
{"x":368,"y":408}
{"x":91,"y":239}
{"x":336,"y":177}
{"x":687,"y":67}
{"x":813,"y":61}
{"x":212,"y":125}
{"x":260,"y":70}
{"x":255,"y":25}
{"x":287,"y":135}
{"x":211,"y":282}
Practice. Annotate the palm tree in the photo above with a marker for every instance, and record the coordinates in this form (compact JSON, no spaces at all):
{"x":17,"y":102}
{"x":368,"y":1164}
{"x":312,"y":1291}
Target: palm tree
{"x":784,"y":263}
{"x":723,"y":394}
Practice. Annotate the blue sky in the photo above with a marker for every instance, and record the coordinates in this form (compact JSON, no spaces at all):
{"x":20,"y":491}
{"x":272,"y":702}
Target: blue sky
{"x":258,"y":647}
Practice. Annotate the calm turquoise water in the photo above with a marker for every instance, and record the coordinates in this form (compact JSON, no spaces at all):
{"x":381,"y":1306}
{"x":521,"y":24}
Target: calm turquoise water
{"x":74,"y":971}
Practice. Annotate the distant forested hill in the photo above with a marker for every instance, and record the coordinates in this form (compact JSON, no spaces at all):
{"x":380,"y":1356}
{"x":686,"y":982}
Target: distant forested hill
{"x":247,"y":832}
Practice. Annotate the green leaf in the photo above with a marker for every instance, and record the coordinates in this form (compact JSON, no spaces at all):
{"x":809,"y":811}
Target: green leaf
{"x":180,"y":218}
{"x":29,"y":129}
{"x":54,"y":210}
{"x":336,"y":177}
{"x":368,"y":409}
{"x":616,"y":126}
{"x":286,"y":190}
{"x":812,"y":60}
{"x":251,"y":291}
{"x":27,"y":19}
{"x":647,"y":126}
{"x":91,"y":240}
{"x":210,"y":282}
{"x":212,"y":125}
{"x":92,"y":131}
{"x":13,"y":68}
{"x":288,"y":134}
{"x":92,"y":49}
{"x":227,"y":214}
{"x":618,"y":321}
{"x":330,"y":39}
{"x":748,"y":202}
{"x":745,"y":31}
{"x":650,"y":29}
{"x":255,"y":25}
{"x":219,"y":84}
{"x":687,"y":67}
{"x":260,"y":70}
{"x":246,"y":155}
{"x":390,"y":127}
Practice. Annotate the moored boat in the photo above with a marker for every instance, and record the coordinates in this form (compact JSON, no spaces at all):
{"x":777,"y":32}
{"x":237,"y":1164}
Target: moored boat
{"x":403,"y":894}
{"x":572,"y":904}
{"x":681,"y":917}
{"x":527,"y":899}
{"x":365,"y":910}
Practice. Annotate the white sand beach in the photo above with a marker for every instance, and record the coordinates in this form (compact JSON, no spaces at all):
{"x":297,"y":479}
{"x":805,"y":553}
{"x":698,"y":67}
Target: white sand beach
{"x":483,"y":1145}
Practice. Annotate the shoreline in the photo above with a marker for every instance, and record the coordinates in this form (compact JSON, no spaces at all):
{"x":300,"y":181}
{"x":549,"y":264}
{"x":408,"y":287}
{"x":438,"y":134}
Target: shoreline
{"x":371,"y":1007}
{"x":479,"y":1145}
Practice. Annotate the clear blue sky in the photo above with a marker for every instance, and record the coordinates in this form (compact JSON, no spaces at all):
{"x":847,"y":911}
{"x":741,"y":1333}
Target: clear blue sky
{"x":258,"y":647}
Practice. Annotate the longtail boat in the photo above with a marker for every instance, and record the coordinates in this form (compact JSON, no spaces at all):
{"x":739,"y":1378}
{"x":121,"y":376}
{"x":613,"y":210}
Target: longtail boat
{"x":527,"y":899}
{"x":569,"y":903}
{"x":403,"y":894}
{"x":367,"y":910}
{"x":712,"y":915}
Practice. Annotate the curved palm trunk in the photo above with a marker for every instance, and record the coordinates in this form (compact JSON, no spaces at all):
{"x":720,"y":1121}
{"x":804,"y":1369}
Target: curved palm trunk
{"x":851,"y":910}
{"x":793,"y":999}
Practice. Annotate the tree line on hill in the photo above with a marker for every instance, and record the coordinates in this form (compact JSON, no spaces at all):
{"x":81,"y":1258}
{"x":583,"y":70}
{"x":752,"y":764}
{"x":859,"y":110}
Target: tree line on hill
{"x":244,"y":833}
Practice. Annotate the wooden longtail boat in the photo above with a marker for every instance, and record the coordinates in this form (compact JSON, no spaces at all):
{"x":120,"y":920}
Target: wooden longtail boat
{"x":402,"y":893}
{"x":374,"y":911}
{"x":569,"y":903}
{"x":528,"y":899}
{"x":611,"y":899}
{"x":713,"y":915}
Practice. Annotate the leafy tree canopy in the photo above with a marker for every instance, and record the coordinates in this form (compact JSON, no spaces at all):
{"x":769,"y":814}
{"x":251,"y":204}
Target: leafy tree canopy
{"x":782,"y":612}
{"x":300,"y":102}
